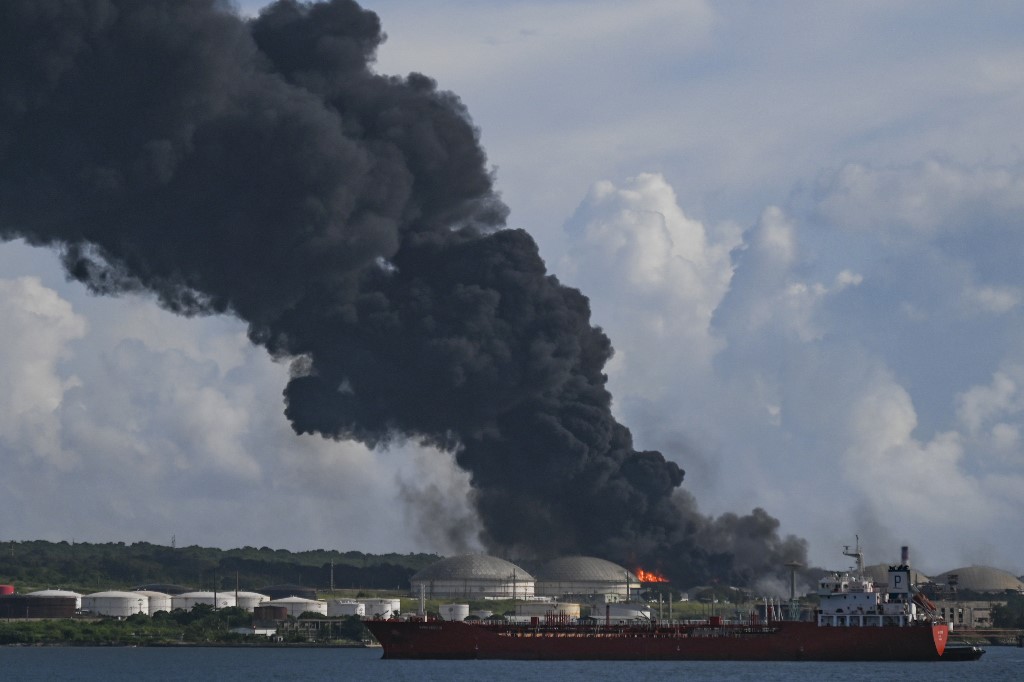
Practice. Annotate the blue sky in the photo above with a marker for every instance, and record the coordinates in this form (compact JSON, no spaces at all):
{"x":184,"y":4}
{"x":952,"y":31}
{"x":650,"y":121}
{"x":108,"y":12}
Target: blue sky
{"x":799,"y":223}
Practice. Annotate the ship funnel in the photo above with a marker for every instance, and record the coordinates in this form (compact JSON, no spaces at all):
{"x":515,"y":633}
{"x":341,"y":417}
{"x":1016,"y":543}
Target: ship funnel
{"x":905,"y":555}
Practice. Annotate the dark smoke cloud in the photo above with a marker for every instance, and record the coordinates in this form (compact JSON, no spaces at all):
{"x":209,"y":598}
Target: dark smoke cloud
{"x":263,"y":169}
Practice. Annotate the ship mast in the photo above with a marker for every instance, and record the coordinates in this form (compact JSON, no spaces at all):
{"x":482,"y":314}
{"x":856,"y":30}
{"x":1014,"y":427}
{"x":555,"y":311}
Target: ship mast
{"x":856,"y":554}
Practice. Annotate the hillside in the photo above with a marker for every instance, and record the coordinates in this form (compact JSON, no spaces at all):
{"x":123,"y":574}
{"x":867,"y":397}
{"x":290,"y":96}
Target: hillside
{"x":88,"y":567}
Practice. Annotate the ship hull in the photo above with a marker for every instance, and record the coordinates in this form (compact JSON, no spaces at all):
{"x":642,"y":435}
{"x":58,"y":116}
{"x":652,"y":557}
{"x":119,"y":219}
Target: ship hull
{"x":779,"y":641}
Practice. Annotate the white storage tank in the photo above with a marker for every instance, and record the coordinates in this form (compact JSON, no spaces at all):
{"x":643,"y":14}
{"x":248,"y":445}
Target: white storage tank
{"x":382,"y":608}
{"x":457,"y":612}
{"x":59,"y":593}
{"x":114,"y":603}
{"x":158,"y":601}
{"x":297,"y":605}
{"x":543,"y":609}
{"x":189,"y":600}
{"x":249,"y":600}
{"x":345,"y":607}
{"x":622,"y":614}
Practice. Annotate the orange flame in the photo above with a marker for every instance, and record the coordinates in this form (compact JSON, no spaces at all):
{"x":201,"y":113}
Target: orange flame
{"x":650,"y":576}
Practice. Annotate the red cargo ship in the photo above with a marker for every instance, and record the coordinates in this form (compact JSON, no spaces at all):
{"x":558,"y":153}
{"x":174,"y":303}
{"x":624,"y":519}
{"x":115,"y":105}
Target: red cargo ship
{"x":854,"y":622}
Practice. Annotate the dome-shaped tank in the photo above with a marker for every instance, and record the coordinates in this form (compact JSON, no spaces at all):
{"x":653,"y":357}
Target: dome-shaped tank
{"x":114,"y":603}
{"x":189,"y":600}
{"x":297,"y":605}
{"x":584,"y":575}
{"x":158,"y":601}
{"x":879,"y":575}
{"x":475,"y":576}
{"x":59,"y":593}
{"x":981,"y":579}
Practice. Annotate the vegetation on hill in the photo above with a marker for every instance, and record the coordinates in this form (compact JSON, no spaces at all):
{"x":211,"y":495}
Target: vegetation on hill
{"x":1010,"y":614}
{"x":89,"y":567}
{"x":201,"y":625}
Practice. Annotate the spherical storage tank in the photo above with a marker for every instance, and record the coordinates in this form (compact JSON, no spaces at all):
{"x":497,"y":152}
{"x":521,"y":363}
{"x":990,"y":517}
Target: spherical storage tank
{"x":345,"y":607}
{"x":474,"y":576}
{"x":298,"y":606}
{"x":189,"y":600}
{"x":59,"y":593}
{"x":158,"y":601}
{"x":114,"y":603}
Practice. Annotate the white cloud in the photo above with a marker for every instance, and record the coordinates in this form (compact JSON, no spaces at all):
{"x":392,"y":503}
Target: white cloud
{"x":175,"y":426}
{"x":929,"y":197}
{"x":994,"y":300}
{"x":38,"y":325}
{"x":652,"y":273}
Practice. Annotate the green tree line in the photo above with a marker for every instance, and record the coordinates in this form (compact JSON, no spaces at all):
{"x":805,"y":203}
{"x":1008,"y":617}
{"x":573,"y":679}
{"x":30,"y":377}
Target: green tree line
{"x":1010,"y":615}
{"x":202,"y":624}
{"x":99,"y":566}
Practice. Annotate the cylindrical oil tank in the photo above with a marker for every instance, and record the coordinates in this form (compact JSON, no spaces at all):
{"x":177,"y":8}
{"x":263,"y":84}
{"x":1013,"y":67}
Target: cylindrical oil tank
{"x":297,"y":605}
{"x":624,"y":613}
{"x":114,"y":603}
{"x":268,"y":612}
{"x":458,"y":612}
{"x":26,"y":606}
{"x":58,"y":593}
{"x":6,"y":589}
{"x":543,"y":610}
{"x":158,"y":601}
{"x":189,"y":600}
{"x":249,"y":600}
{"x":382,"y":608}
{"x":345,"y":607}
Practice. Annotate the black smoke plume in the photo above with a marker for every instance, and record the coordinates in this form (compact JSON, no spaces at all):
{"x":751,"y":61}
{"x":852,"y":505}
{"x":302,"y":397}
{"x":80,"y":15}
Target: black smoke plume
{"x":262,"y":169}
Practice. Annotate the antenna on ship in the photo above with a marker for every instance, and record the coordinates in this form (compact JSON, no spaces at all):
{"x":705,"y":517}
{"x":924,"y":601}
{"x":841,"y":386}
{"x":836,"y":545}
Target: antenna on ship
{"x":856,"y":554}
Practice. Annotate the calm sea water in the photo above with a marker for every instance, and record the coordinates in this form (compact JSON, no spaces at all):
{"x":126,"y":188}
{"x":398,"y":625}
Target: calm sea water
{"x":191,"y":664}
